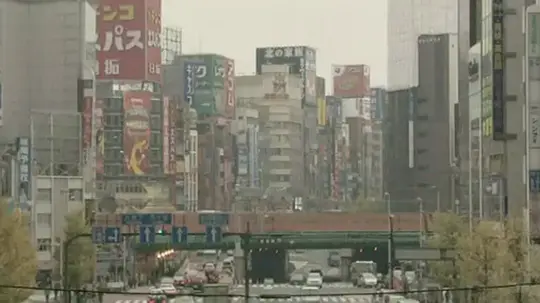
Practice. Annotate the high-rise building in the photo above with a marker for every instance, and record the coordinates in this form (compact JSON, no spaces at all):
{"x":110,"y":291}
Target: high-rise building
{"x":407,"y":20}
{"x":500,"y":130}
{"x":433,"y":125}
{"x":277,"y":96}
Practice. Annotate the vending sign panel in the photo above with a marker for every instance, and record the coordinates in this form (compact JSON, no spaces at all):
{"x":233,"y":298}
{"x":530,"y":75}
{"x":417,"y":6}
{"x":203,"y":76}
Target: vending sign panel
{"x":498,"y":105}
{"x":302,"y":60}
{"x":351,"y":81}
{"x":128,"y":43}
{"x":137,"y":107}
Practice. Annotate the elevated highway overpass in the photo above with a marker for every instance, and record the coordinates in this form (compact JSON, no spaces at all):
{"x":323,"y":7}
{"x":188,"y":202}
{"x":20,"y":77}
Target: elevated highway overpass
{"x":290,"y":222}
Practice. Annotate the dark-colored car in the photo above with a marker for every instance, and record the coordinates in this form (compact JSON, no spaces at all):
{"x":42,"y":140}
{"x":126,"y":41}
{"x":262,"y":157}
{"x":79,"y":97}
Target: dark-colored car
{"x":334,"y":259}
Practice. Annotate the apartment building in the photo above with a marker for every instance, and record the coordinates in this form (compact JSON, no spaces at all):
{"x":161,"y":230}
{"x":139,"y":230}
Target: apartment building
{"x":277,"y":95}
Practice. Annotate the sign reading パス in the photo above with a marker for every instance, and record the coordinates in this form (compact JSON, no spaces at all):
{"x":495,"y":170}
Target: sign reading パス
{"x":129,"y":40}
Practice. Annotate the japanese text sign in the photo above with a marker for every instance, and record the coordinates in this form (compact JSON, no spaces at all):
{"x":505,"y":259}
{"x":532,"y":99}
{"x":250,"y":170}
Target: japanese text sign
{"x":129,"y":44}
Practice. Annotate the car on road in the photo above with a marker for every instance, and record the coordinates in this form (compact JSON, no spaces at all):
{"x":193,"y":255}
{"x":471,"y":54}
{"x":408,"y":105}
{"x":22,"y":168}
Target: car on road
{"x":297,"y":279}
{"x":334,"y":259}
{"x":314,"y":279}
{"x":157,"y":296}
{"x":366,"y":280}
{"x":169,"y":290}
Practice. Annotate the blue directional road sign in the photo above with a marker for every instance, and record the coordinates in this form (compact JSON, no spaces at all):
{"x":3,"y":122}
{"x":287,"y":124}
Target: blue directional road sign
{"x":147,"y":219}
{"x":179,"y":234}
{"x":113,"y":235}
{"x":98,"y":235}
{"x":213,"y":234}
{"x":213,"y":219}
{"x":147,"y":234}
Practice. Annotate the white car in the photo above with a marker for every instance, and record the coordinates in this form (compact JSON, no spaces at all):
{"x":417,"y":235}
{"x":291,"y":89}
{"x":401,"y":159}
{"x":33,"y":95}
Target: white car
{"x":314,"y":279}
{"x":367,"y":280}
{"x":168,"y":289}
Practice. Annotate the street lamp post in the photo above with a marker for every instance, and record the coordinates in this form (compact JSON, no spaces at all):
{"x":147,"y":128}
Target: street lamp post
{"x":390,"y":251}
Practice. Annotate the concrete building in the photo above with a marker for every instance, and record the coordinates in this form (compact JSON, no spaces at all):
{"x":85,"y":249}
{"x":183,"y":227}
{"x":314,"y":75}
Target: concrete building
{"x":398,"y":147}
{"x":434,"y":129}
{"x":502,"y":143}
{"x":374,"y":150}
{"x":248,"y":166}
{"x":277,"y":95}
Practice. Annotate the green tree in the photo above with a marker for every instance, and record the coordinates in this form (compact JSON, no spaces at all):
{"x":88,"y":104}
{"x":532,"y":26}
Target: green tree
{"x":81,"y":252}
{"x":18,"y":261}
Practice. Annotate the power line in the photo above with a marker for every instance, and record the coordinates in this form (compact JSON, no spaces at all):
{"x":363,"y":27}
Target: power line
{"x":478,"y":288}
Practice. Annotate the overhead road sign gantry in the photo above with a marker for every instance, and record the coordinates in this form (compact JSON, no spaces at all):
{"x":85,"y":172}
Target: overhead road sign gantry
{"x":424,"y":254}
{"x":179,"y":234}
{"x":147,"y":219}
{"x":213,"y":219}
{"x":147,"y":234}
{"x":213,"y":234}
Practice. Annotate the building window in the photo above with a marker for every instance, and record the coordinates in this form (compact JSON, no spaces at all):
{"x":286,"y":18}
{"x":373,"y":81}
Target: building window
{"x":44,"y":244}
{"x":114,"y":137}
{"x":155,"y":122}
{"x":43,"y":195}
{"x":75,"y":195}
{"x":114,"y":104}
{"x":44,"y":220}
{"x":156,"y":106}
{"x":114,"y":120}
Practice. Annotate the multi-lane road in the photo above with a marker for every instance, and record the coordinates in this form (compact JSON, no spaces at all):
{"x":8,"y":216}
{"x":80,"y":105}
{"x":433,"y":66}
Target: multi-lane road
{"x":275,"y":293}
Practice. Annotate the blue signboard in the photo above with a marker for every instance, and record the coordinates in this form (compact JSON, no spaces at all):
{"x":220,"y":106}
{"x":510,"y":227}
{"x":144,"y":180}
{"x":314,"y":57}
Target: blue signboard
{"x":147,"y":234}
{"x":113,"y":235}
{"x":534,"y":181}
{"x":180,"y":234}
{"x":147,"y":219}
{"x":213,"y":234}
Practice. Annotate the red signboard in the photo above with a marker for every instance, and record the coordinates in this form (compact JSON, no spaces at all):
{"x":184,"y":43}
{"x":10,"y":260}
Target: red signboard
{"x":129,"y":40}
{"x":166,"y":135}
{"x":100,"y":138}
{"x":230,"y":89}
{"x":351,"y":81}
{"x":137,"y":106}
{"x":87,"y":115}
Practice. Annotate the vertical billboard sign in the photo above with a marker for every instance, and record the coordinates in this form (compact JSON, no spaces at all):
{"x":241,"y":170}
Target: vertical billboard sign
{"x":351,"y":81}
{"x":499,"y":108}
{"x":137,"y":106}
{"x":153,"y":41}
{"x":533,"y":106}
{"x":172,"y":138}
{"x":321,"y":111}
{"x":194,"y":76}
{"x":128,"y":43}
{"x":166,"y":135}
{"x":87,"y":116}
{"x":302,"y":60}
{"x":100,"y":137}
{"x":230,"y":89}
{"x":25,"y":170}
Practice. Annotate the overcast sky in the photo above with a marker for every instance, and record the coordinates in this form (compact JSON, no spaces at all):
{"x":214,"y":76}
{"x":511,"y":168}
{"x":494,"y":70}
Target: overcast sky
{"x":342,"y":31}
